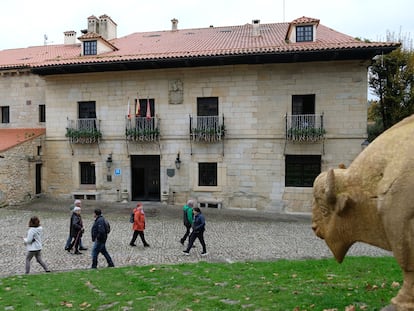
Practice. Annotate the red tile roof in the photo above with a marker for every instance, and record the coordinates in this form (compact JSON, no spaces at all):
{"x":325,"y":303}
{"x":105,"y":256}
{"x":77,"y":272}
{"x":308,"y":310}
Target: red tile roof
{"x":12,"y":137}
{"x":188,"y":43}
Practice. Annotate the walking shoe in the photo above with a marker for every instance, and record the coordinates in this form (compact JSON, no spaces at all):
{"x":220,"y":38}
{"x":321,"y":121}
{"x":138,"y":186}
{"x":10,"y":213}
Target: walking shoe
{"x":77,"y":253}
{"x":83,"y":248}
{"x":204,"y":254}
{"x":146,"y":245}
{"x":132,"y":244}
{"x":181,"y":241}
{"x":187,"y":253}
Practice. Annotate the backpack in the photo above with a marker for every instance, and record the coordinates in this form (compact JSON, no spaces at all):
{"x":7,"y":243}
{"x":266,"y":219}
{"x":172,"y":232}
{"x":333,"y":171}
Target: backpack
{"x":131,"y":218}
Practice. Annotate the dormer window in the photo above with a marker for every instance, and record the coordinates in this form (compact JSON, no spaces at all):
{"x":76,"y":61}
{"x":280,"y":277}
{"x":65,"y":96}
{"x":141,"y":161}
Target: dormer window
{"x":303,"y":29}
{"x":304,"y":33}
{"x":90,"y":47}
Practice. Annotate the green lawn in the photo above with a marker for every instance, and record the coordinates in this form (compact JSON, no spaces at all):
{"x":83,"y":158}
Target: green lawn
{"x":368,"y":283}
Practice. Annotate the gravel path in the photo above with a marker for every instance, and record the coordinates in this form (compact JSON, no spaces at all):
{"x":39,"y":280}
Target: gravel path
{"x":231,"y":235}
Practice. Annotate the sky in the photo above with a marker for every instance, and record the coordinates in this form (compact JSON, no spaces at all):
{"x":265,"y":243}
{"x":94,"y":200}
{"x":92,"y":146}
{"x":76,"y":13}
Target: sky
{"x":26,"y":23}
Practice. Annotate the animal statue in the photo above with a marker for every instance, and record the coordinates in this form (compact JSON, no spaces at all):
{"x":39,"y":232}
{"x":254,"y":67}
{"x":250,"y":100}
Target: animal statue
{"x":372,"y":201}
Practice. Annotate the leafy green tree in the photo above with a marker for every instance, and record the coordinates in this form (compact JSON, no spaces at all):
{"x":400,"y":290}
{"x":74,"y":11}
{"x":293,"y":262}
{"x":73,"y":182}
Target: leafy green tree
{"x":391,"y":79}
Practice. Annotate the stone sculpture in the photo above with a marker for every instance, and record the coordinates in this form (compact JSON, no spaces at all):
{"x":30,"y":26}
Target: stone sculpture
{"x":372,"y":201}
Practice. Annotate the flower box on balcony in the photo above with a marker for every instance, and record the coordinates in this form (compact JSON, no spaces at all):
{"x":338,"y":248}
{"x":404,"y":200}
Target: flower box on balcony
{"x":310,"y":134}
{"x":134,"y":134}
{"x":83,"y":136}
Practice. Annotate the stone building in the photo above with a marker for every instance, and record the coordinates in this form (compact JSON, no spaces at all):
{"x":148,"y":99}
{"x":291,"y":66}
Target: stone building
{"x":239,"y":116}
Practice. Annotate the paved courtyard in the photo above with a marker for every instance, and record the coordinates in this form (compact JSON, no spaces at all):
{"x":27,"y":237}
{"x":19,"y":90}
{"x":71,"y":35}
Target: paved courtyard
{"x":231,"y":235}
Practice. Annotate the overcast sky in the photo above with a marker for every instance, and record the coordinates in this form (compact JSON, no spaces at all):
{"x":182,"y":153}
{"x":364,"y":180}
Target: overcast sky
{"x":26,"y":22}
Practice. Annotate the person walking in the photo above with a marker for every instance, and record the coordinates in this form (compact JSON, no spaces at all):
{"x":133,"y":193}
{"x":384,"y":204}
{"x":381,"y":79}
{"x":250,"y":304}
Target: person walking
{"x":139,"y":225}
{"x":77,"y":203}
{"x":188,"y":219}
{"x":100,"y":231}
{"x":76,"y":230}
{"x":33,"y":242}
{"x":199,"y":226}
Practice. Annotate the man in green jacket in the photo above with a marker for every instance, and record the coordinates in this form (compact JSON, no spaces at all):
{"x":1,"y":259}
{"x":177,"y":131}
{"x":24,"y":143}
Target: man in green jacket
{"x":188,"y":219}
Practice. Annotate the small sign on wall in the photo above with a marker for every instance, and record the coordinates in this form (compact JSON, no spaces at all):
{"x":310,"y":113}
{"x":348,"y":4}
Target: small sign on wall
{"x":117,"y":172}
{"x":170,"y":172}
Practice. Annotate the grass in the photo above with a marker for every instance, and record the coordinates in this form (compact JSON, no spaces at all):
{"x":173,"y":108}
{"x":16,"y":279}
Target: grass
{"x":363,"y":282}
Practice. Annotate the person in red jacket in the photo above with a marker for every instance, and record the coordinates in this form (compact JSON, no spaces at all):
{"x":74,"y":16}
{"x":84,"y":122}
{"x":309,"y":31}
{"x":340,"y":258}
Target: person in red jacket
{"x":139,"y":225}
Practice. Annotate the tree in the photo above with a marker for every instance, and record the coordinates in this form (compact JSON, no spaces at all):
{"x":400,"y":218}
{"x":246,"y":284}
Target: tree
{"x":392,"y":78}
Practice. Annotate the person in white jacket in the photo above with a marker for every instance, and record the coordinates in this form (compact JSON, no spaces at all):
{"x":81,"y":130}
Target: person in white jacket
{"x":33,"y":243}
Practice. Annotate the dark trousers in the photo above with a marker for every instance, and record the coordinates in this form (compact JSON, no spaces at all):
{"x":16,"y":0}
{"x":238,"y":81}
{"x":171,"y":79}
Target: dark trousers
{"x":141,"y":235}
{"x":100,"y":247}
{"x":193,"y":237}
{"x":76,"y":241}
{"x":69,"y":240}
{"x":187,"y":233}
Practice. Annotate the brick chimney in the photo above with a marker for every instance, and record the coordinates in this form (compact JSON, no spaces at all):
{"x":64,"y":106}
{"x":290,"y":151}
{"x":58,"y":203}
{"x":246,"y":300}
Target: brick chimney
{"x":174,"y":24}
{"x":256,"y":27}
{"x":69,"y":37}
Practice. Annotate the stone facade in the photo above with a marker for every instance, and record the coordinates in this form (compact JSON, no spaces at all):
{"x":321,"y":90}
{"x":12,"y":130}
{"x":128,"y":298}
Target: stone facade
{"x":251,"y":158}
{"x":18,"y":172}
{"x":23,"y":93}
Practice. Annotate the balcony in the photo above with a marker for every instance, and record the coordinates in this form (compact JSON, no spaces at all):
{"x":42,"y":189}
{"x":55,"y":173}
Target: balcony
{"x":207,"y":129}
{"x":142,"y":129}
{"x":83,"y":131}
{"x":305,"y":128}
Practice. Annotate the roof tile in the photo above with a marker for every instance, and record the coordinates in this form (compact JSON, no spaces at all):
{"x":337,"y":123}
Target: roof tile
{"x":188,"y":43}
{"x":11,"y":137}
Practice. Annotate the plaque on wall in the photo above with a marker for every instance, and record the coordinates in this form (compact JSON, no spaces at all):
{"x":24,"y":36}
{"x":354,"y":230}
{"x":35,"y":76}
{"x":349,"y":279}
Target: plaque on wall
{"x":170,"y":172}
{"x":175,"y":92}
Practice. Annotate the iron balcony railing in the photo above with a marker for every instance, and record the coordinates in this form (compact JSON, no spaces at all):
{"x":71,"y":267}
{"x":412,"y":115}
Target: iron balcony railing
{"x":83,"y":131}
{"x":304,"y":127}
{"x":142,"y":129}
{"x":207,"y":129}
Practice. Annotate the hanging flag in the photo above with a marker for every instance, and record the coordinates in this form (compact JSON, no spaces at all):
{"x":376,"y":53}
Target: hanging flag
{"x":129,"y":110}
{"x":148,"y":109}
{"x":137,"y":108}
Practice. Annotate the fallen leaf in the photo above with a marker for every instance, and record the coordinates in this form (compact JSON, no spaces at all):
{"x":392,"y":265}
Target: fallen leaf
{"x":395,"y":284}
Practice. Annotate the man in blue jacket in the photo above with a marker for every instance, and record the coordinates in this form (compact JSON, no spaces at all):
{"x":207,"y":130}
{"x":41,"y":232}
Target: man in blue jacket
{"x":100,"y":230}
{"x":199,"y":225}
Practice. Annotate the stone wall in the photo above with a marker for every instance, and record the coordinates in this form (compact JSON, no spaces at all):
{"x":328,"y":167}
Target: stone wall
{"x":254,"y":100}
{"x":23,"y":93}
{"x":18,"y":172}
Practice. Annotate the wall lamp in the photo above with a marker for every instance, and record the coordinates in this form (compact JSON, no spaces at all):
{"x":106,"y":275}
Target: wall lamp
{"x":109,"y":161}
{"x":178,"y":161}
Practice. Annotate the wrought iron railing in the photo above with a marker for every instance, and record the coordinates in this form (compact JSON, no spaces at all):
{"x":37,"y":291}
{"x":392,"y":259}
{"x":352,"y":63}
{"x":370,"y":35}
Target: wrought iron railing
{"x":207,"y":128}
{"x":83,"y":131}
{"x":142,"y":129}
{"x":305,"y":127}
